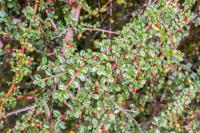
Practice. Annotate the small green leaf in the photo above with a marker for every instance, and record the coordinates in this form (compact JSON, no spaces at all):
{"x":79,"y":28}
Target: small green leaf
{"x":42,"y":84}
{"x":71,"y":72}
{"x":82,"y":52}
{"x":48,"y":72}
{"x":62,"y":125}
{"x":56,"y":114}
{"x":37,"y":77}
{"x":82,"y":77}
{"x":95,"y":96}
{"x":163,"y":38}
{"x":111,"y":117}
{"x":61,"y":59}
{"x":44,"y":60}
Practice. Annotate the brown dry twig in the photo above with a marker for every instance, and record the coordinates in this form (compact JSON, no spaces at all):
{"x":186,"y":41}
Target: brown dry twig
{"x":72,"y":78}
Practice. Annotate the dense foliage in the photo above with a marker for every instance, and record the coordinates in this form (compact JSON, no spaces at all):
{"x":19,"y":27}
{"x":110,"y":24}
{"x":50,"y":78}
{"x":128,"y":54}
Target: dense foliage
{"x":62,"y":71}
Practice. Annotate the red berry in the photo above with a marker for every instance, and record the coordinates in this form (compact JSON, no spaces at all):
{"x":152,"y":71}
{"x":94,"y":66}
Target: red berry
{"x":113,"y":64}
{"x":148,"y":27}
{"x":8,"y":62}
{"x":49,"y":0}
{"x":29,"y":62}
{"x":156,"y":24}
{"x":169,"y":67}
{"x":8,"y":50}
{"x":110,"y":48}
{"x":102,"y":128}
{"x":97,"y":89}
{"x":186,"y":20}
{"x":161,"y":54}
{"x":72,"y":2}
{"x":136,"y":48}
{"x":78,"y":37}
{"x":169,"y":114}
{"x":136,"y":59}
{"x":138,"y":78}
{"x":23,"y":48}
{"x":134,"y":89}
{"x":69,"y":44}
{"x":188,"y":95}
{"x":137,"y":68}
{"x":177,"y":92}
{"x":109,"y":112}
{"x":62,"y":117}
{"x":134,"y":54}
{"x":153,"y":73}
{"x":95,"y":113}
{"x":94,"y":57}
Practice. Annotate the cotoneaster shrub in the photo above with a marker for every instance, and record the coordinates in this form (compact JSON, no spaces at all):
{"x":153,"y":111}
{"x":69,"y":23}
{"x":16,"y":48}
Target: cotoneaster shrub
{"x":133,"y":81}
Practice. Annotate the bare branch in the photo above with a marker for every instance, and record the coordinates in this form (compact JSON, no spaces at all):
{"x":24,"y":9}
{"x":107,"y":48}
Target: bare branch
{"x":125,"y":111}
{"x":60,"y":34}
{"x":102,"y":30}
{"x":27,"y":108}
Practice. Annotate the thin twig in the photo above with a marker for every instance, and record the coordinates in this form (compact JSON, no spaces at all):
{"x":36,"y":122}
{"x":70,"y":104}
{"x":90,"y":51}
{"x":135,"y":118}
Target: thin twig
{"x":125,"y":111}
{"x":60,"y":34}
{"x":136,"y":123}
{"x":97,"y":32}
{"x":88,"y":80}
{"x":108,"y":3}
{"x":102,"y":30}
{"x":110,"y":26}
{"x":27,"y":108}
{"x":163,"y":96}
{"x":53,"y":76}
{"x":99,"y":6}
{"x":72,"y":79}
{"x":53,"y":24}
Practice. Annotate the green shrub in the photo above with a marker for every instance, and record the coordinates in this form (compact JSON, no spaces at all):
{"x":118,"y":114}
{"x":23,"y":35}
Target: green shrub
{"x":134,"y":80}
